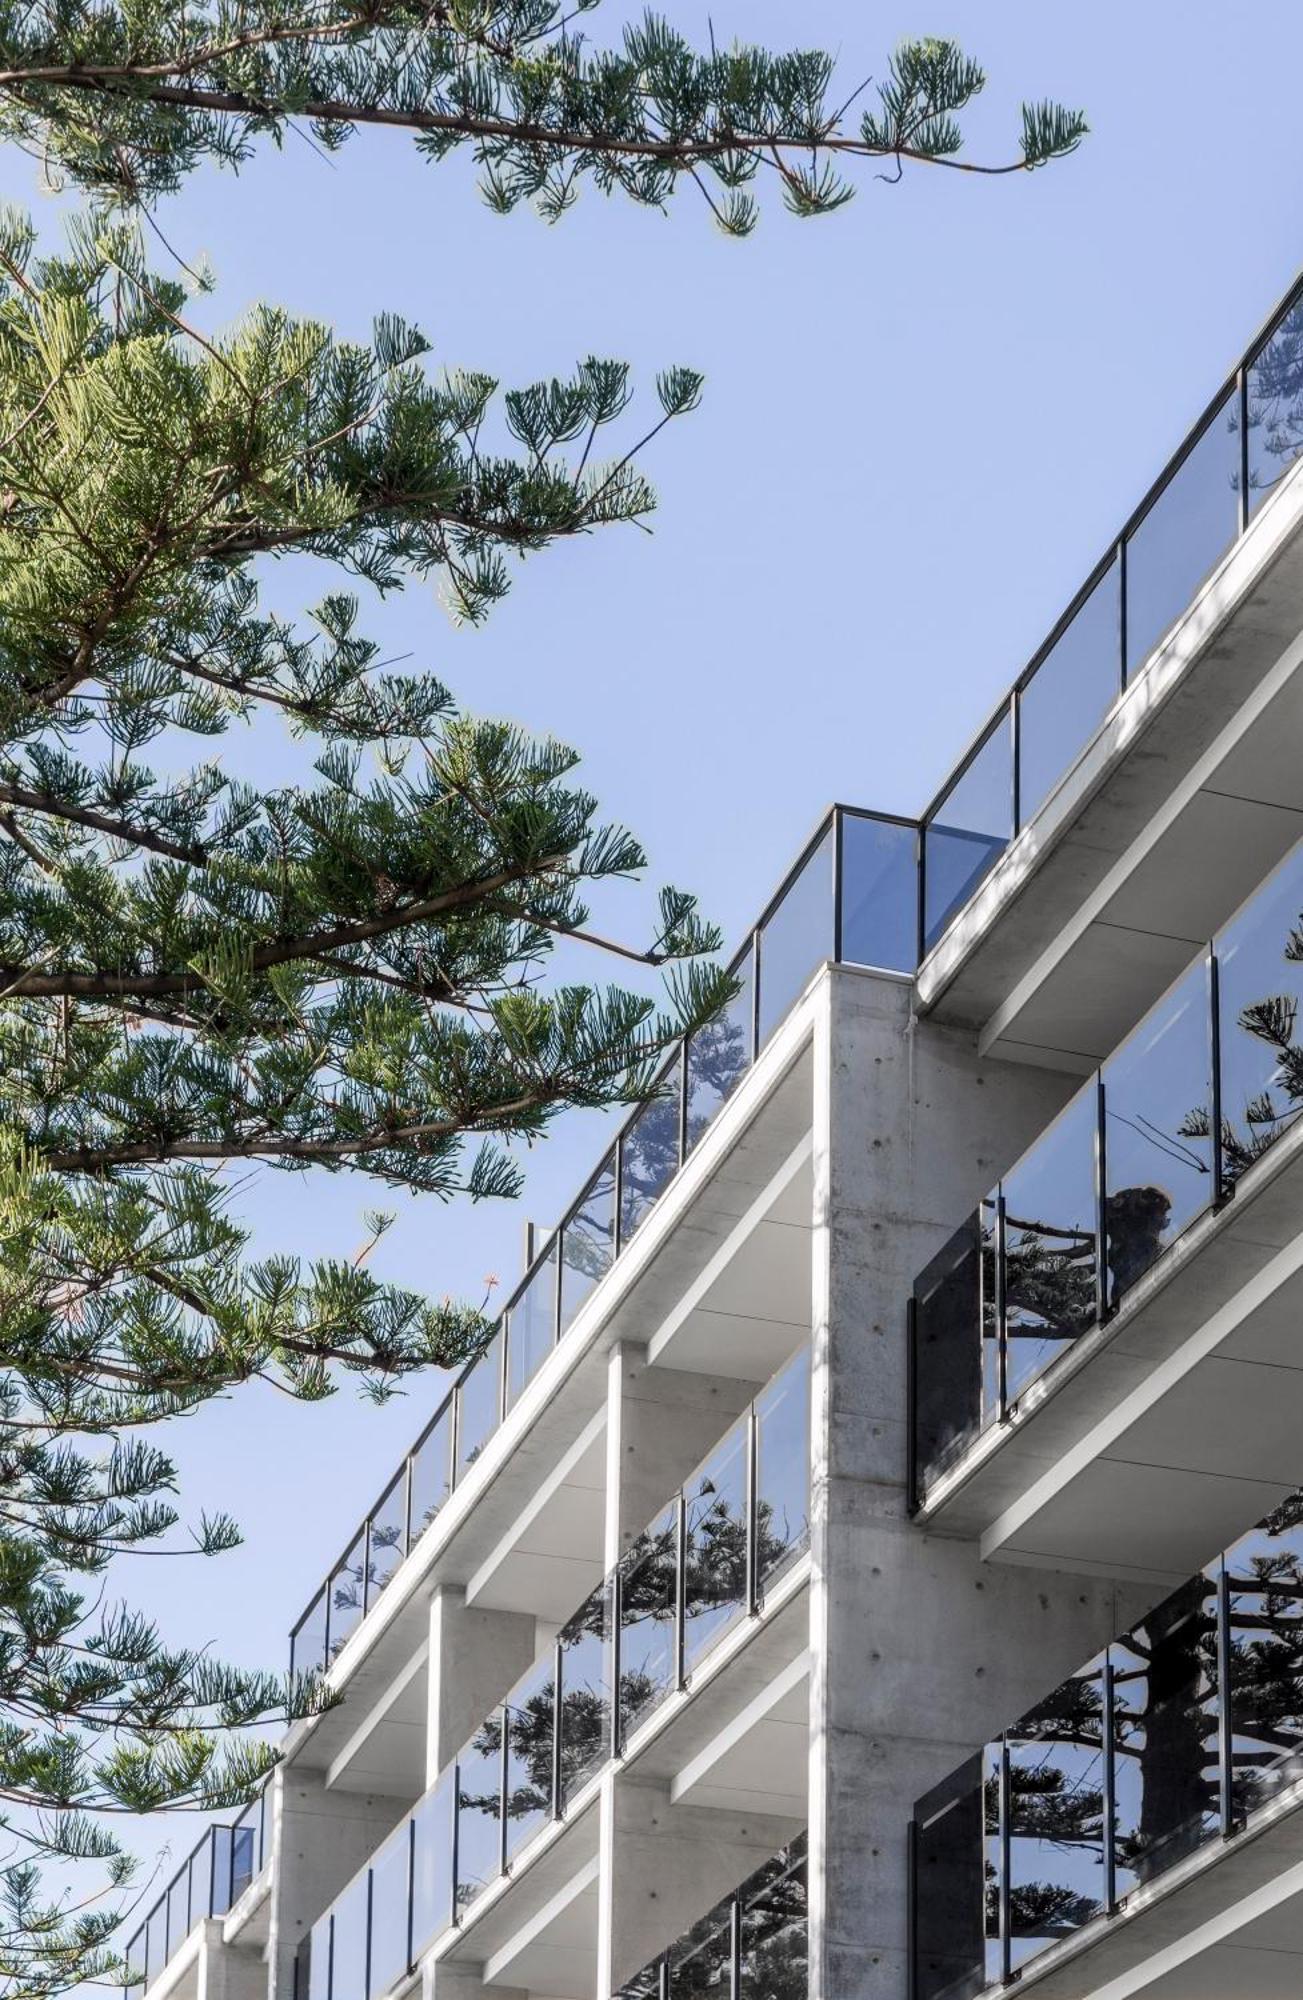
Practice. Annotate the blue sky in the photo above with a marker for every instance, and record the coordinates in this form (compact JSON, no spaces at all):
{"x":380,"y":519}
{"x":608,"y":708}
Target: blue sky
{"x":924,"y":418}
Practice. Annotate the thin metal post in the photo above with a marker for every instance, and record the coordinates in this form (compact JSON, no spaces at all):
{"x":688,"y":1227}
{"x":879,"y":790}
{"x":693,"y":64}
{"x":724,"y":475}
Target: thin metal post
{"x":683,"y":1100}
{"x":1122,"y":614}
{"x":1217,"y":1163}
{"x":838,"y":871}
{"x":920,"y":869}
{"x":1102,"y":1305}
{"x":558,"y":1239}
{"x":911,"y":1891}
{"x":911,"y":1403}
{"x":1015,"y":724}
{"x":680,"y":1587}
{"x":407,"y":1504}
{"x":617,"y":1614}
{"x":1242,"y":399}
{"x":502,"y":1790}
{"x":366,"y":1566}
{"x":1225,"y":1718}
{"x":753,"y":1512}
{"x":1108,"y":1755}
{"x":618,"y":1231}
{"x":212,"y":1871}
{"x":735,"y":1949}
{"x":755,"y":994}
{"x":366,"y":1961}
{"x":1002,"y":1338}
{"x":557,"y":1716}
{"x":1006,"y":1856}
{"x":330,"y":1959}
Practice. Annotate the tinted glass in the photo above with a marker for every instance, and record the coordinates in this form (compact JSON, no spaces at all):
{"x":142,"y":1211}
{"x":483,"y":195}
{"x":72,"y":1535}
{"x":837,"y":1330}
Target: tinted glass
{"x":1049,"y":1242}
{"x":1157,"y":1152}
{"x":956,"y":1904}
{"x":200,"y":1876}
{"x":1190,"y":526}
{"x":432,"y":1863}
{"x":1070,"y":693}
{"x":715,"y":1546}
{"x":1056,"y":1815}
{"x":1275,"y":406}
{"x":588,"y":1242}
{"x":478,"y":1398}
{"x":220,"y":1841}
{"x":773,"y":1937}
{"x":244,"y":1860}
{"x":348,"y":1947}
{"x":389,"y":1888}
{"x":178,"y":1914}
{"x":1265,"y":1577}
{"x":879,"y":893}
{"x":796,"y":938}
{"x":531,"y":1734}
{"x":648,"y":1595}
{"x":968,"y":832}
{"x":479,"y":1811}
{"x":346,"y":1595}
{"x":649,"y":1153}
{"x":585,"y":1692}
{"x":319,"y":1960}
{"x":719,"y":1055}
{"x":782,"y":1471}
{"x":431,"y":1472}
{"x":948,"y":1351}
{"x":308,"y":1640}
{"x":388,"y":1538}
{"x":1258,"y":993}
{"x":1165,"y":1735}
{"x":532,"y":1325}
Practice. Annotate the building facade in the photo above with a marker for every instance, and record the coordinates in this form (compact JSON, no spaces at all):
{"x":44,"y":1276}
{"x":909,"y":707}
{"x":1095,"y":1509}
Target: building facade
{"x":867,"y":1563}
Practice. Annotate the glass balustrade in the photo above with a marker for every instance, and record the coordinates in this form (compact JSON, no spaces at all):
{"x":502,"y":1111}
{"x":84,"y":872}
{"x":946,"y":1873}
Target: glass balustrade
{"x":1202,"y":1088}
{"x":754,"y":1945}
{"x":209,"y":1883}
{"x":1171,"y":1740}
{"x":700,"y":1567}
{"x":878,"y":890}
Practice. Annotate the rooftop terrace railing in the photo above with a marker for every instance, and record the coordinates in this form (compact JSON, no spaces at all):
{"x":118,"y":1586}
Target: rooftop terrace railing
{"x":1173,"y":1739}
{"x":707,"y":1562}
{"x":752,"y":1946}
{"x":209,"y":1882}
{"x":871,"y":889}
{"x":1166,"y":1129}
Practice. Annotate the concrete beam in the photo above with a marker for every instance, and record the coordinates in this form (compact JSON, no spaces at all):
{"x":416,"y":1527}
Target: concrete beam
{"x":476,"y":1657}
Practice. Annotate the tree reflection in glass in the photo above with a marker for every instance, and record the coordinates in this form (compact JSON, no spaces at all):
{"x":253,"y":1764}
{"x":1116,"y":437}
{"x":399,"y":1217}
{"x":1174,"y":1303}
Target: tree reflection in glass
{"x":1049,"y":1243}
{"x":1056,"y":1815}
{"x":1166,"y":1777}
{"x":1265,"y":1578}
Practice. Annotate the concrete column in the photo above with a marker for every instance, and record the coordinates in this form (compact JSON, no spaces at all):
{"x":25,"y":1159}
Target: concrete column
{"x":476,"y":1657}
{"x":442,"y":1981}
{"x":226,"y":1972}
{"x":320,"y":1839}
{"x":920,"y":1651}
{"x":663,"y":1867}
{"x":660,"y":1424}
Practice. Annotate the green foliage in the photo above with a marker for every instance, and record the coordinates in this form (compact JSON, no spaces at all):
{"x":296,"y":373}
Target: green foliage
{"x":125,"y":99}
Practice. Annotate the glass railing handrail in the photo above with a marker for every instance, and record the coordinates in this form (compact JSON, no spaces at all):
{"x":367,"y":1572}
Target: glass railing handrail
{"x":1162,"y":1132}
{"x":1178,"y":1735}
{"x":710,"y":1559}
{"x":214,"y":1875}
{"x":1244,"y":443}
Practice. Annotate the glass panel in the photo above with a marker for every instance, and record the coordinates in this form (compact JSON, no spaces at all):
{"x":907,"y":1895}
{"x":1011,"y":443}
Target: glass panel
{"x":432,"y":1900}
{"x":431,"y":1462}
{"x":649,"y":1153}
{"x":796,"y":938}
{"x":1165,"y":1734}
{"x":531,"y":1325}
{"x":389,"y":1873}
{"x":968,"y":832}
{"x":773,"y":1959}
{"x":155,"y":1944}
{"x":956,"y":1897}
{"x":200,"y":1874}
{"x":1070,"y":693}
{"x":585,"y":1692}
{"x":1049,"y":1242}
{"x":345,"y":1588}
{"x":715,"y":1546}
{"x":701,"y":1962}
{"x":879,"y":893}
{"x":178,"y":1917}
{"x":388,"y":1538}
{"x":221,"y":1839}
{"x":308,"y":1640}
{"x":648,"y":1597}
{"x":1191,"y":524}
{"x":782,"y":1472}
{"x":588,"y":1242}
{"x":319,"y":1960}
{"x":719,"y":1055}
{"x":530,"y":1711}
{"x":1056,"y":1816}
{"x":244,"y":1865}
{"x":479,"y":1811}
{"x":479,"y":1395}
{"x":348,"y":1948}
{"x":644,"y":1985}
{"x":1258,"y":994}
{"x":948,"y":1351}
{"x":1265,"y":1576}
{"x":1157,"y":1154}
{"x":1275,"y":406}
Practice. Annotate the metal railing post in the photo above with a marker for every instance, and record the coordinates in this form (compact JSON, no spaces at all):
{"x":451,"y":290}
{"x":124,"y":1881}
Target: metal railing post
{"x":838,"y":870}
{"x":617,"y":1615}
{"x":1108,"y":1767}
{"x":1225,"y":1717}
{"x":1102,"y":1306}
{"x":1242,"y":401}
{"x":1001,"y":1311}
{"x":680,"y":1587}
{"x":1216,"y":1162}
{"x":557,"y":1716}
{"x":752,"y":1579}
